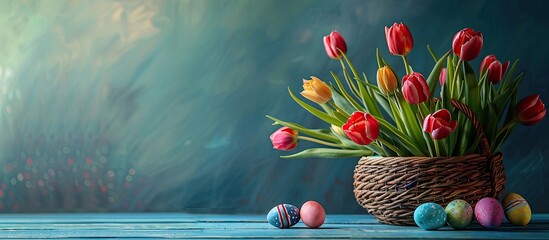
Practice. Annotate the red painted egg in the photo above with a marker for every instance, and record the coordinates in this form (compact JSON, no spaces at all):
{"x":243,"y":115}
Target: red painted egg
{"x":312,"y":214}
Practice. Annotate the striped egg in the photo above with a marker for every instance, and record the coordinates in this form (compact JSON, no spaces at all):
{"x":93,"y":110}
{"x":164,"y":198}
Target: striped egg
{"x":283,"y":216}
{"x":517,"y":210}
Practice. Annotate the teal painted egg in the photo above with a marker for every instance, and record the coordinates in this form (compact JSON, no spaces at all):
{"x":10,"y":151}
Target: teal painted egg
{"x":517,"y":210}
{"x":430,"y":216}
{"x":489,"y":212}
{"x":459,"y":214}
{"x":283,"y":216}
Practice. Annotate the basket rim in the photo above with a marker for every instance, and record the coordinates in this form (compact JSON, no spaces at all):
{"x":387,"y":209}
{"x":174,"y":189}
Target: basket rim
{"x":428,"y":157}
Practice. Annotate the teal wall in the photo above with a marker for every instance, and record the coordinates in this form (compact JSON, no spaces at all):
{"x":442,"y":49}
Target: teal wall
{"x":160,"y":105}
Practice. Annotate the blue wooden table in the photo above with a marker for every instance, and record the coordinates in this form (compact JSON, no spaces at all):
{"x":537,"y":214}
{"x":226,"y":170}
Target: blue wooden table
{"x":174,"y":225}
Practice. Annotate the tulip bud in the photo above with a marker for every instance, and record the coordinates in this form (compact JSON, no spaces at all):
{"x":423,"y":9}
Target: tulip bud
{"x":399,"y":39}
{"x":442,"y":77}
{"x":439,"y":124}
{"x":337,"y":130}
{"x":284,"y":139}
{"x":362,"y":128}
{"x":332,"y":43}
{"x":494,"y":67}
{"x":415,"y":88}
{"x":316,"y":90}
{"x":467,"y":44}
{"x":386,"y":80}
{"x":530,"y":110}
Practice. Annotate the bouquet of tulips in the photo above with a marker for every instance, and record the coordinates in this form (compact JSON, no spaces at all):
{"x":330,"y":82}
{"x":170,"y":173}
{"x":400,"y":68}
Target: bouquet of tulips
{"x":415,"y":116}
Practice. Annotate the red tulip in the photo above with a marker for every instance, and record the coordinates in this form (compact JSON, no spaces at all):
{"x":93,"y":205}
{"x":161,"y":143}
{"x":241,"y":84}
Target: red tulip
{"x":284,"y":139}
{"x":439,"y":124}
{"x":494,"y":67}
{"x":442,"y":77}
{"x":415,"y":88}
{"x":362,"y":128}
{"x":332,"y":43}
{"x":530,"y":110}
{"x":467,"y":44}
{"x":399,"y":39}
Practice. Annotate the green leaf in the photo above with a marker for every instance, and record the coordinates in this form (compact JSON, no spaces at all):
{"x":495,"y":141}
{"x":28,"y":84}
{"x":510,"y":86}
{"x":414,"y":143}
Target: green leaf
{"x":399,"y":136}
{"x":329,"y":153}
{"x":345,"y":94}
{"x":432,"y":53}
{"x":339,"y":116}
{"x":317,"y":133}
{"x":384,"y":103}
{"x":380,"y":62}
{"x":505,"y":83}
{"x":472,"y":91}
{"x":432,"y":80}
{"x":319,"y":114}
{"x":501,"y":101}
{"x":341,"y":101}
{"x":370,"y":104}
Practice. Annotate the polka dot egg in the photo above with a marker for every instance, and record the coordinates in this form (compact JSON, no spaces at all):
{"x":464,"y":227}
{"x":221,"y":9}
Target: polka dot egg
{"x":459,"y":214}
{"x":489,"y":212}
{"x":517,"y":210}
{"x":430,"y":216}
{"x":283,"y":216}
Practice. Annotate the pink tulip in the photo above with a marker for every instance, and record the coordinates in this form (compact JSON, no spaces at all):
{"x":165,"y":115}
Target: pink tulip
{"x":415,"y":88}
{"x":399,"y":39}
{"x":284,"y":139}
{"x":467,"y":44}
{"x":439,"y":124}
{"x":442,"y":77}
{"x":362,"y":128}
{"x":333,"y":43}
{"x":530,"y":110}
{"x":495,"y":69}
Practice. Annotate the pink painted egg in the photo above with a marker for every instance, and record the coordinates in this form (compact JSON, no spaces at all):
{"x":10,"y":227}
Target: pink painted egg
{"x":312,"y":214}
{"x":489,"y":212}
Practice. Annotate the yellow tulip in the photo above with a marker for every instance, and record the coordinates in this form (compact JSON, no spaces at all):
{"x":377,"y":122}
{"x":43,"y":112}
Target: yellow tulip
{"x":386,"y":80}
{"x":316,"y":90}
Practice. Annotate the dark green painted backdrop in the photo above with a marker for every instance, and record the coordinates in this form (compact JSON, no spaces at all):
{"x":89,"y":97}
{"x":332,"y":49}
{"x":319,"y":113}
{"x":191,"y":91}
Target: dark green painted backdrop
{"x":159,"y":105}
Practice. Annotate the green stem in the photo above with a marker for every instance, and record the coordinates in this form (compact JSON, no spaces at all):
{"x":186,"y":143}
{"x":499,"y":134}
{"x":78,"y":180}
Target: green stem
{"x":454,"y":78}
{"x":436,"y":147}
{"x":406,"y":65}
{"x":390,"y":146}
{"x":338,"y":109}
{"x":319,"y":141}
{"x":352,"y":86}
{"x":507,"y":126}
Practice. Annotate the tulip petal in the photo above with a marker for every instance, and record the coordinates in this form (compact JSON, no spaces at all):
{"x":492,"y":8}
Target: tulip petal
{"x":505,"y":66}
{"x":441,"y":133}
{"x":471,"y":49}
{"x":494,"y":72}
{"x":443,"y":114}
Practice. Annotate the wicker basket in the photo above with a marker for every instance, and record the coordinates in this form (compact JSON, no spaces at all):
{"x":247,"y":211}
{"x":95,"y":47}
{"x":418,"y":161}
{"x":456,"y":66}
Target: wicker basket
{"x":391,"y":188}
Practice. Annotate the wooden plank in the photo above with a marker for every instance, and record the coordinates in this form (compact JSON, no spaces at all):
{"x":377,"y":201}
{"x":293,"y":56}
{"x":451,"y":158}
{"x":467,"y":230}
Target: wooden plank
{"x":172,"y":225}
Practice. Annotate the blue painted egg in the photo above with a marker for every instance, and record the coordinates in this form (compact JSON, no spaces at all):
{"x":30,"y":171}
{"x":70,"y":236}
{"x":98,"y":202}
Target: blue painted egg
{"x":459,"y":214}
{"x":283,"y":216}
{"x":430,"y":216}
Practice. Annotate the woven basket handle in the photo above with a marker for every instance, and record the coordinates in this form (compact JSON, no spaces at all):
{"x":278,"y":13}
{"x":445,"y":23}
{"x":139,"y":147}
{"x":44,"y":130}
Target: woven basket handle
{"x":484,"y":147}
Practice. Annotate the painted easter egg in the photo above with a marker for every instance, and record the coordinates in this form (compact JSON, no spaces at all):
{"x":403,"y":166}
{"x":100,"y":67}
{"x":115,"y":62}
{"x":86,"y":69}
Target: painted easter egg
{"x":283,"y":216}
{"x":516,"y":209}
{"x":489,"y":212}
{"x":312,"y":214}
{"x":459,"y":214}
{"x":430,"y":216}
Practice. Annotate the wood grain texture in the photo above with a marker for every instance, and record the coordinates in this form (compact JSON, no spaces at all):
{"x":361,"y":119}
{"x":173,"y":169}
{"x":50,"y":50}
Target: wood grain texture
{"x":174,"y":225}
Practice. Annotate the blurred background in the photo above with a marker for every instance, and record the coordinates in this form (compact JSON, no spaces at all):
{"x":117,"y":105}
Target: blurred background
{"x":160,"y":105}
